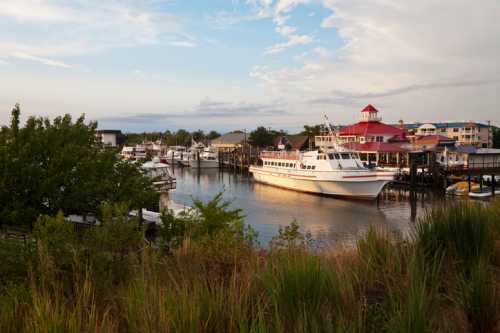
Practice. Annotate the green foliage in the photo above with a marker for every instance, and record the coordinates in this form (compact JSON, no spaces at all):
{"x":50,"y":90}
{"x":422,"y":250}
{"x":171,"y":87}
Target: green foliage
{"x":480,"y":298}
{"x":305,"y":294}
{"x":51,"y":166}
{"x":312,"y":130}
{"x":291,"y":238}
{"x":460,"y":230}
{"x":262,"y":137}
{"x":208,"y":221}
{"x":496,"y":137}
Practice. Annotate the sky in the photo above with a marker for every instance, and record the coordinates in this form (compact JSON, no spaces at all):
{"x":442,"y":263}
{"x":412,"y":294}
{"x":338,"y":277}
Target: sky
{"x":144,"y":65}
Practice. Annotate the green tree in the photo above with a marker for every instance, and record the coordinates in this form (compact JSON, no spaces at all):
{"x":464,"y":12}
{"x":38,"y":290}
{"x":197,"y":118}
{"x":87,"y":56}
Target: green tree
{"x":496,"y":137}
{"x":51,"y":166}
{"x":312,"y":130}
{"x":198,"y":135}
{"x":182,"y":137}
{"x":213,"y":135}
{"x":262,"y":137}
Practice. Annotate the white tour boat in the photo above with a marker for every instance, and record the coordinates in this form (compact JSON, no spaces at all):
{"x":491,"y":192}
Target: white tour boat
{"x":335,"y":172}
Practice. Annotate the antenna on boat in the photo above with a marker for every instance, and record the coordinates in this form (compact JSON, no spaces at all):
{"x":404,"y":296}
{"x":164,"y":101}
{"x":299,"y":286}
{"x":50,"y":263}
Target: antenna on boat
{"x":331,"y":131}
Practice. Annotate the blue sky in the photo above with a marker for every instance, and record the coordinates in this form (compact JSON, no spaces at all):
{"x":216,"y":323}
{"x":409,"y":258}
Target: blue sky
{"x":227,"y":64}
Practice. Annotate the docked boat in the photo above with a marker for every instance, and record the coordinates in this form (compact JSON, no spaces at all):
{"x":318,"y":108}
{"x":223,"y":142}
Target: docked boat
{"x":485,"y":193}
{"x":160,"y":174}
{"x":208,"y":158}
{"x":335,"y":173}
{"x":462,"y":188}
{"x":175,"y":154}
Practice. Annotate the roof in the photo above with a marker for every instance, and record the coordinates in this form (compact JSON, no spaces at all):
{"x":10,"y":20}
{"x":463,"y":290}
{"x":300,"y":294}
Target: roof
{"x":369,"y":108}
{"x":370,"y":127}
{"x":375,"y":147}
{"x":468,"y":149}
{"x":296,"y":142}
{"x":487,"y":151}
{"x":421,"y":139}
{"x":232,"y":138}
{"x":103,"y":131}
{"x":455,"y":124}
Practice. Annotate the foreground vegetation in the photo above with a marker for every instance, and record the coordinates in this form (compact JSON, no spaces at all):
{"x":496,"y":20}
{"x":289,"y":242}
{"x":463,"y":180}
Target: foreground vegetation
{"x":206,"y":274}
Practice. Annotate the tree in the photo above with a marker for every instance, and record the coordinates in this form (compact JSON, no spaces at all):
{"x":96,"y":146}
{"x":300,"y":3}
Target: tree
{"x":496,"y":137}
{"x":213,"y":135}
{"x":182,"y":137}
{"x":312,"y":130}
{"x":50,"y":166}
{"x":198,"y":135}
{"x":262,"y":137}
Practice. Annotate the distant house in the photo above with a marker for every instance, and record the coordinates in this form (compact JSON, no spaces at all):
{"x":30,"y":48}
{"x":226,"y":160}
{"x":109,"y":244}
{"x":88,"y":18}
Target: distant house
{"x":110,"y":138}
{"x":292,"y":142}
{"x":230,"y":141}
{"x":431,"y":142}
{"x":464,"y":133}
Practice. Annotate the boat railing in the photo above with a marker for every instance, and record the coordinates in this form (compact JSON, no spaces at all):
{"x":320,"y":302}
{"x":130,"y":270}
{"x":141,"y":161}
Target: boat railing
{"x":281,"y":155}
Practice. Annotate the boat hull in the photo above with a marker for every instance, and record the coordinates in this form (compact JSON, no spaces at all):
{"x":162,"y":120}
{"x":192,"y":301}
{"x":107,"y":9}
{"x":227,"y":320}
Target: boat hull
{"x":363,"y":186}
{"x":205,"y":164}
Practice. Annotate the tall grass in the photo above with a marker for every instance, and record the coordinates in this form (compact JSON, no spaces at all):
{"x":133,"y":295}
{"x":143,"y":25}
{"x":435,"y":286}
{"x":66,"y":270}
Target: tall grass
{"x":444,"y":279}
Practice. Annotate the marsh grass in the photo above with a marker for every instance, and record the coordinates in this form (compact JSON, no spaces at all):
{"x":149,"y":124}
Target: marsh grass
{"x":444,"y":279}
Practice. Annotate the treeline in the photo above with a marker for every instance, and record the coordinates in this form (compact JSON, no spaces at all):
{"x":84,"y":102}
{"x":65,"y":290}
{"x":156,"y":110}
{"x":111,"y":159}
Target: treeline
{"x":181,"y":137}
{"x":260,"y":137}
{"x":48,"y":166}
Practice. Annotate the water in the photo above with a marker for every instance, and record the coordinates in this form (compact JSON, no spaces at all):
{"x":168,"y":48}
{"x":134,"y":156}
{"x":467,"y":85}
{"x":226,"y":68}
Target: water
{"x":329,"y":220}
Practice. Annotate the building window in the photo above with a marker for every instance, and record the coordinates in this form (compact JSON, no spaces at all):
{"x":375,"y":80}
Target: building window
{"x":455,"y":129}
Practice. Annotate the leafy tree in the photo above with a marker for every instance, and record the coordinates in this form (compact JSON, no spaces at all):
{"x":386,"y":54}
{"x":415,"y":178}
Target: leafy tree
{"x":198,"y":135}
{"x":208,"y":221}
{"x":51,"y":166}
{"x":262,"y":137}
{"x":496,"y":137}
{"x":213,"y":135}
{"x":312,"y":130}
{"x":182,"y":137}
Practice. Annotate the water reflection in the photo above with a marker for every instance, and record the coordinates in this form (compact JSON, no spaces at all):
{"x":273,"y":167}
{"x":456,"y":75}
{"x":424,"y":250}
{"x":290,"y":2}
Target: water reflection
{"x":328,"y":219}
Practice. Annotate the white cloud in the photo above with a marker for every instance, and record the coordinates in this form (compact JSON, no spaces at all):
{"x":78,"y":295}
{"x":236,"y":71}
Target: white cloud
{"x":45,"y":61}
{"x":67,"y":27}
{"x":186,"y":44}
{"x":293,"y":40}
{"x":390,"y":46}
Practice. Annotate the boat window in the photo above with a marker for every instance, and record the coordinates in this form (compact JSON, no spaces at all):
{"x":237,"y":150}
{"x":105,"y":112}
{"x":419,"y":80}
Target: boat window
{"x":330,"y":156}
{"x":308,"y":167}
{"x":337,"y":156}
{"x":313,"y":167}
{"x":345,"y":156}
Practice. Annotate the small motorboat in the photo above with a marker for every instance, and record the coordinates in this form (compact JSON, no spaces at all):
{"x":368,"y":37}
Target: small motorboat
{"x":485,"y":193}
{"x":462,"y":188}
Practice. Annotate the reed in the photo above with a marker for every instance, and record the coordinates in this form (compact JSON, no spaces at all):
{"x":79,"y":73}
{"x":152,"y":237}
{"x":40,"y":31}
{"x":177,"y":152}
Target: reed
{"x":220,"y":282}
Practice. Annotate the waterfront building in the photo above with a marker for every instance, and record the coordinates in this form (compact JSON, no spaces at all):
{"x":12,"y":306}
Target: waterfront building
{"x":375,"y":141}
{"x":464,"y":133}
{"x":230,"y":141}
{"x":110,"y":138}
{"x":292,"y":142}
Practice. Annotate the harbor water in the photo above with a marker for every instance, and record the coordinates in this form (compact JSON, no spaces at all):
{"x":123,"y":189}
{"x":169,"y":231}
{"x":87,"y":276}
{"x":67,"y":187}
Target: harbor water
{"x":330,"y":221}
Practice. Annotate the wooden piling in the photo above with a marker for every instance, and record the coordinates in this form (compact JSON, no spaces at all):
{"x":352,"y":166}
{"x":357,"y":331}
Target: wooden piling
{"x":493,"y":185}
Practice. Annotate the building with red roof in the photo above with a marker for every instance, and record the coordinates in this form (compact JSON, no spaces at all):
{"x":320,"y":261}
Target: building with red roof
{"x":370,"y":129}
{"x":375,"y":141}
